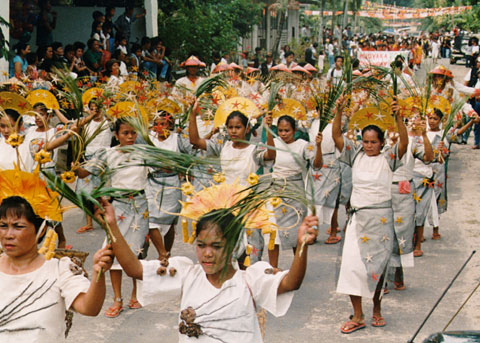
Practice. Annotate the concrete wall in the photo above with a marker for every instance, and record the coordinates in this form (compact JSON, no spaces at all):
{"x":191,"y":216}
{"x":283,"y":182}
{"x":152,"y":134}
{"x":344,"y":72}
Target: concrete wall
{"x":75,"y":24}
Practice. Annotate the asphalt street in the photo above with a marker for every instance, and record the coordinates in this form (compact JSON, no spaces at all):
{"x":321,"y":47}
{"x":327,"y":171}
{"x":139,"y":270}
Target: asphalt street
{"x":317,"y":312}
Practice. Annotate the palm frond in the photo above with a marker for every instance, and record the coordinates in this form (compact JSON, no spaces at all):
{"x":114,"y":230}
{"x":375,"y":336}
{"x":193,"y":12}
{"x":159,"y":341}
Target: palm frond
{"x":209,"y":84}
{"x":456,"y":107}
{"x":273,"y":99}
{"x":157,"y":158}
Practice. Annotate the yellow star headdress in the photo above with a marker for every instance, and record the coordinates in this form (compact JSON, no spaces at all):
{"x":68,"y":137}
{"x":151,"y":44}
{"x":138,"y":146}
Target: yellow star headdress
{"x":290,"y":107}
{"x":372,"y":116}
{"x":29,"y":186}
{"x":244,"y":105}
{"x":45,"y":97}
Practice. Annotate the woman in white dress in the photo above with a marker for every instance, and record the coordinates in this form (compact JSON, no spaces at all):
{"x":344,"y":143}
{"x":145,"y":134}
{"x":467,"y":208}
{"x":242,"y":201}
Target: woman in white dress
{"x":11,"y":155}
{"x":123,"y":172}
{"x":238,"y":159}
{"x":293,"y":157}
{"x":369,"y":237}
{"x":35,"y":291}
{"x":218,"y":301}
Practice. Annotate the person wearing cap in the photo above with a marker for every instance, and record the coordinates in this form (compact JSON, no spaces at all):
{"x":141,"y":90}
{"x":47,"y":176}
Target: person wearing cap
{"x":191,"y":81}
{"x":269,"y":63}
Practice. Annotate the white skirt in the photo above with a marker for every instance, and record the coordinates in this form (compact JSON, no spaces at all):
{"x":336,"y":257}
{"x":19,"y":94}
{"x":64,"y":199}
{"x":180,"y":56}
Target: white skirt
{"x":353,"y":273}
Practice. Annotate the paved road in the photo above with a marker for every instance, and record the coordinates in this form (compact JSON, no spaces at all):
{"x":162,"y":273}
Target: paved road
{"x":317,"y":311}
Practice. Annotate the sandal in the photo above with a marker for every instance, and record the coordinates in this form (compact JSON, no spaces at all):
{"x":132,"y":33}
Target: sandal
{"x":85,"y":228}
{"x":399,"y":286}
{"x":351,"y":326}
{"x":385,"y":290}
{"x":417,"y":253}
{"x":436,"y":236}
{"x":113,"y":311}
{"x":134,"y":304}
{"x":333,"y":240}
{"x":378,"y":321}
{"x":330,"y":230}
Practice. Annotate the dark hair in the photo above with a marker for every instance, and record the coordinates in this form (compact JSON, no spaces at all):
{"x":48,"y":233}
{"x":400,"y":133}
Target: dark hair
{"x":94,"y":26}
{"x":110,"y":64}
{"x":118,"y":124}
{"x":107,"y":25}
{"x":289,"y":120}
{"x":90,"y":42}
{"x":380,"y":133}
{"x":237,"y":114}
{"x":337,"y":57}
{"x":438,"y":113}
{"x":97,"y":14}
{"x":20,"y":46}
{"x":19,"y":207}
{"x":68,"y":48}
{"x":56,"y":45}
{"x":78,"y":45}
{"x":220,"y":219}
{"x":13,"y":115}
{"x":145,"y":40}
{"x":135,"y":47}
{"x":40,"y":105}
{"x":116,"y":55}
{"x":289,"y":53}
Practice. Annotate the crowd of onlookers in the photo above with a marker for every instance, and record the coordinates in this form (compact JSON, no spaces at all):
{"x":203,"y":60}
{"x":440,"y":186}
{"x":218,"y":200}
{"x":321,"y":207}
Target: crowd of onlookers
{"x":109,"y":43}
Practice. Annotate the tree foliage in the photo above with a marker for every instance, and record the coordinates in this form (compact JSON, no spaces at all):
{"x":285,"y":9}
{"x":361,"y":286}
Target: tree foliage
{"x":201,"y":27}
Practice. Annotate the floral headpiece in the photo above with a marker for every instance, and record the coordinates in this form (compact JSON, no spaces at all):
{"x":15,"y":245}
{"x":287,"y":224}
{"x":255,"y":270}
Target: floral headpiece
{"x":29,"y":186}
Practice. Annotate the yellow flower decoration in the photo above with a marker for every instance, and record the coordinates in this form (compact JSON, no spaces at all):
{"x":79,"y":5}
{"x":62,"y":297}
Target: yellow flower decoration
{"x":29,"y":186}
{"x":275,"y":201}
{"x":187,"y":188}
{"x":15,"y":140}
{"x":219,"y":177}
{"x":68,"y":177}
{"x":221,"y":196}
{"x":252,"y":179}
{"x":43,"y":156}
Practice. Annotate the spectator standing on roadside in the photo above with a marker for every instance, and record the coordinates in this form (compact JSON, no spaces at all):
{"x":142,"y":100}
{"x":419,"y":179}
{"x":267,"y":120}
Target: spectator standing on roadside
{"x":124,"y":22}
{"x":265,"y":66}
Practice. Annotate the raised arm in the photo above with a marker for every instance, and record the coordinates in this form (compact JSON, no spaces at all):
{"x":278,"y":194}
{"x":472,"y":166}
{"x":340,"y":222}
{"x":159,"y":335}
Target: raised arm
{"x":421,"y":125}
{"x":337,"y":126}
{"x":61,"y":117}
{"x":195,"y":139}
{"x":294,"y":278}
{"x":271,"y":154}
{"x":318,"y":162}
{"x":127,"y":259}
{"x":474,"y":120}
{"x":402,"y":131}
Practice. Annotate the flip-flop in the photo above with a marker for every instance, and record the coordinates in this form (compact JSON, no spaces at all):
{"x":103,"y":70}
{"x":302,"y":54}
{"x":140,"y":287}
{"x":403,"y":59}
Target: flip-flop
{"x":417,"y":253}
{"x":399,"y":286}
{"x":436,"y":236}
{"x":85,"y":228}
{"x":378,"y":322}
{"x":351,"y":326}
{"x":113,"y":311}
{"x":134,"y":304}
{"x":333,"y":240}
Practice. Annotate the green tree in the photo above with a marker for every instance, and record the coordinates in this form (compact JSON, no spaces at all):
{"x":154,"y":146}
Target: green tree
{"x":201,"y":27}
